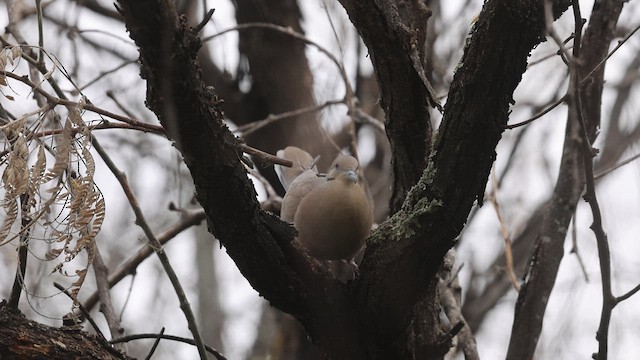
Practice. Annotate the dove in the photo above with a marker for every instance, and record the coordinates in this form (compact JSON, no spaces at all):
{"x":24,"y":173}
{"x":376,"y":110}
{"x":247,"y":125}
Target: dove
{"x":332,"y":213}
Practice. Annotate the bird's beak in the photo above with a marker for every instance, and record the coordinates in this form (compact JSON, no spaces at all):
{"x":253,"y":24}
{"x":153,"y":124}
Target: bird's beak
{"x":352,"y":176}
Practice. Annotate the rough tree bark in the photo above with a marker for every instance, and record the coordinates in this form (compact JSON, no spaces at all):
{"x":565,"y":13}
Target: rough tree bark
{"x":24,"y":339}
{"x":403,"y":94}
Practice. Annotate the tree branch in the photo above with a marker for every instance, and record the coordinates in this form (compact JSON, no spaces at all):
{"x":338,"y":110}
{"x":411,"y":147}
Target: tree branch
{"x":403,"y":256}
{"x":549,"y":246}
{"x":404,"y":96}
{"x":258,"y":242}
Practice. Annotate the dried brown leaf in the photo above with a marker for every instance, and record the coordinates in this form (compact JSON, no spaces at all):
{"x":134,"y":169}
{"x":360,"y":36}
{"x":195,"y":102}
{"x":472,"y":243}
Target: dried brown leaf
{"x":37,"y":173}
{"x":11,"y":207}
{"x":63,"y":150}
{"x":15,"y":177}
{"x":16,"y":52}
{"x":53,"y":253}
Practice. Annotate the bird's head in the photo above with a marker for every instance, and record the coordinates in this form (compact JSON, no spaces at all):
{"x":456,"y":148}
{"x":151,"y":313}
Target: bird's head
{"x":344,"y":167}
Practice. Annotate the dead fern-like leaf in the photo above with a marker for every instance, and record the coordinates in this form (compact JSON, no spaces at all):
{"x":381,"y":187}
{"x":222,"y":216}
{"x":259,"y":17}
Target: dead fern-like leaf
{"x":11,"y":207}
{"x":3,"y":64}
{"x":71,"y":205}
{"x":16,"y":52}
{"x":82,"y":273}
{"x":53,"y":253}
{"x":75,"y":287}
{"x":89,"y":162}
{"x":15,"y":177}
{"x":37,"y":173}
{"x":75,"y":114}
{"x":98,"y":218}
{"x":63,"y":151}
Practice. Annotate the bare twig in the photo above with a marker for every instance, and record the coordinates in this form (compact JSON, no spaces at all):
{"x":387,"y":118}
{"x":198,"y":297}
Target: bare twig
{"x":548,"y":249}
{"x":119,"y":104}
{"x":450,"y":297}
{"x":107,"y":72}
{"x":452,"y":309}
{"x":250,"y":128}
{"x":538,"y":115}
{"x":211,"y":350}
{"x":60,"y":101}
{"x":23,"y":248}
{"x":544,"y":58}
{"x":628,"y":294}
{"x":604,"y":255}
{"x":603,"y":61}
{"x":265,"y":157}
{"x":96,"y":7}
{"x":205,"y":20}
{"x":155,"y":345}
{"x":106,"y":306}
{"x":574,"y":248}
{"x":40,"y":33}
{"x":504,"y":232}
{"x":616,"y":166}
{"x":83,"y":310}
{"x":362,"y":117}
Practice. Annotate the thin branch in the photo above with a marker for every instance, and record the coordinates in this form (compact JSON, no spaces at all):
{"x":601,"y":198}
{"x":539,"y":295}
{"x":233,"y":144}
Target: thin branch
{"x":504,"y":232}
{"x":603,"y":61}
{"x":449,"y":297}
{"x":265,"y":157}
{"x":604,"y":255}
{"x":60,"y":101}
{"x":156,"y":245}
{"x":167,"y":337}
{"x":629,"y":294}
{"x":101,"y":273}
{"x":29,"y":55}
{"x":544,"y":58}
{"x":102,"y":125}
{"x":96,"y":7}
{"x":616,"y":166}
{"x":155,"y":345}
{"x":40,"y":33}
{"x":362,"y":117}
{"x":250,"y":128}
{"x":205,"y":20}
{"x":574,"y":248}
{"x":23,"y":248}
{"x":107,"y":72}
{"x":538,"y":115}
{"x":83,"y":310}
